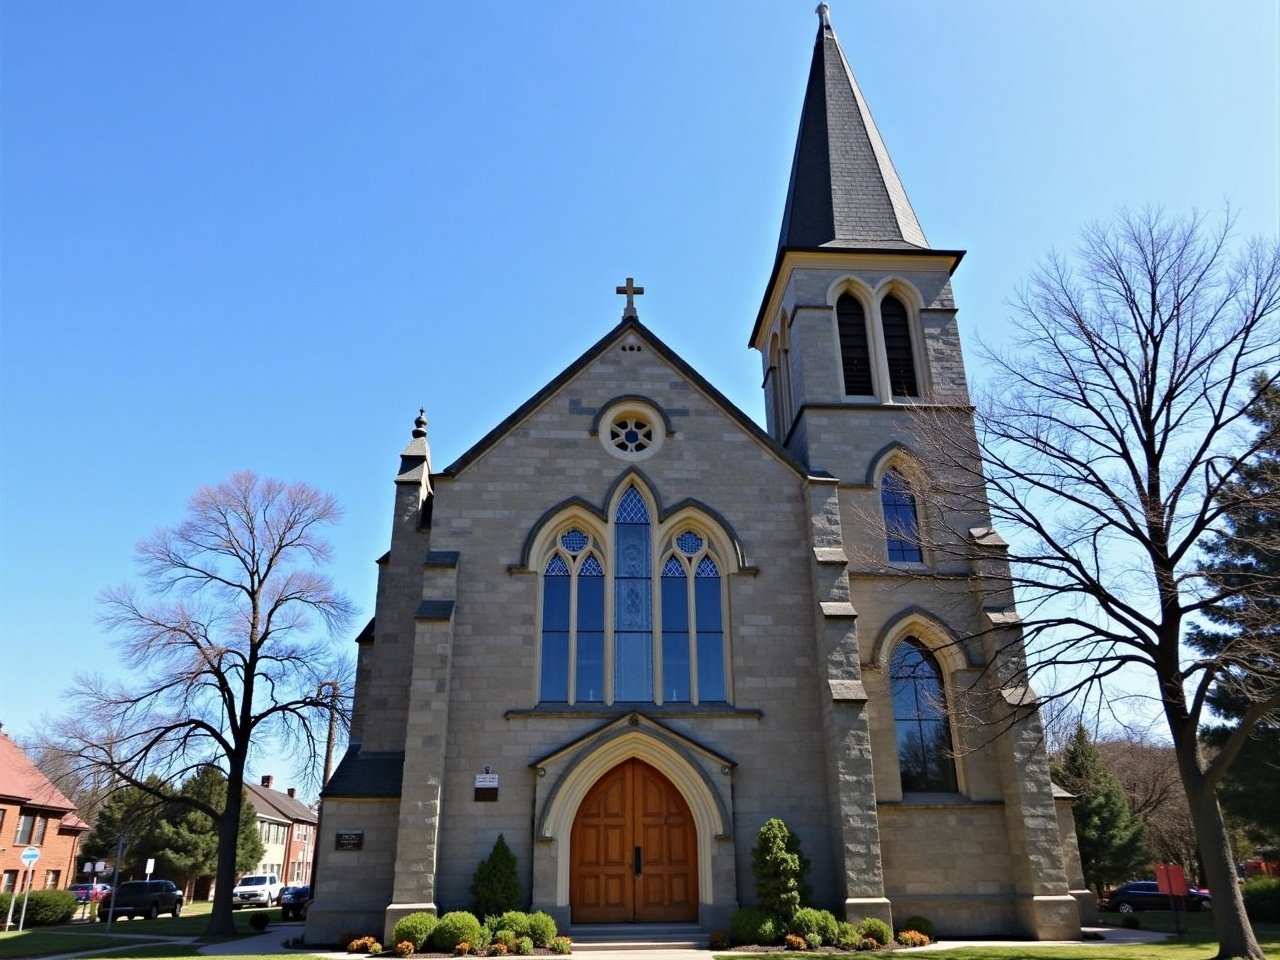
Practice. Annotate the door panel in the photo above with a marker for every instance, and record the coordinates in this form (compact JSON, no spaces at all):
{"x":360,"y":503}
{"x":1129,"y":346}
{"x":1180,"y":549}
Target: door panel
{"x":633,"y":818}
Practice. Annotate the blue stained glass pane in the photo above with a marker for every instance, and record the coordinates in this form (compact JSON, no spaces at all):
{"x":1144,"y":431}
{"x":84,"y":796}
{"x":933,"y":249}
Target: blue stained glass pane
{"x":673,"y":568}
{"x":711,"y":667}
{"x":675,"y":604}
{"x":589,"y":678}
{"x":675,"y":666}
{"x":633,"y":666}
{"x":556,"y":567}
{"x":590,"y":603}
{"x":706,"y":597}
{"x":633,"y":550}
{"x":555,"y":667}
{"x":555,"y":603}
{"x":707,"y":568}
{"x":591,"y":567}
{"x":689,"y":542}
{"x":902,"y":528}
{"x":924,"y":736}
{"x":633,"y":603}
{"x":631,"y":508}
{"x":574,"y":541}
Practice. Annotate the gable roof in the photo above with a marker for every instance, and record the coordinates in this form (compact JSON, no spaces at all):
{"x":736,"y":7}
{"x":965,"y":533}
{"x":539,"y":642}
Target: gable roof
{"x":628,"y":325}
{"x":844,"y":191}
{"x":22,"y":782}
{"x":270,"y":802}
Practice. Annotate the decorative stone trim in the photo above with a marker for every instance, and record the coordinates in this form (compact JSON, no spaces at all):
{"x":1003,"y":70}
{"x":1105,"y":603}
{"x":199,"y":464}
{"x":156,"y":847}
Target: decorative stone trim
{"x":838,"y":609}
{"x":847,"y":691}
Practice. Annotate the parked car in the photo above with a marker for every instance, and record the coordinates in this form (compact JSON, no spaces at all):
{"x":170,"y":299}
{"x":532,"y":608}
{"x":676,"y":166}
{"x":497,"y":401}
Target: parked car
{"x":256,"y":890}
{"x":293,"y":902}
{"x":1146,"y":895}
{"x":89,"y":892}
{"x":141,"y":898}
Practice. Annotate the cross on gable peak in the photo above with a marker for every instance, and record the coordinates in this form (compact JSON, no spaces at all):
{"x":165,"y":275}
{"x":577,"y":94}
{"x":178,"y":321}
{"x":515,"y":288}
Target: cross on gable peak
{"x":631,"y":291}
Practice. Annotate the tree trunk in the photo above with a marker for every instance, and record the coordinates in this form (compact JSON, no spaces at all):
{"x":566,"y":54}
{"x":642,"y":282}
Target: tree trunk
{"x":222,"y":918}
{"x":1235,"y":935}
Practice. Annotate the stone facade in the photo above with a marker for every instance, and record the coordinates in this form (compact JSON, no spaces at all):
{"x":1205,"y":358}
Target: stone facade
{"x":452,"y":677}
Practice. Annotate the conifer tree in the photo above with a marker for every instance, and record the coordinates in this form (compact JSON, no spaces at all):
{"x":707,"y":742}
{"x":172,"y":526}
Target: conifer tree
{"x":1112,"y":847}
{"x":495,"y":887}
{"x":780,"y":868}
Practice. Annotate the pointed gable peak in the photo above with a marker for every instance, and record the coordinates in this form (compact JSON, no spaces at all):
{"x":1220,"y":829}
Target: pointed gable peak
{"x":844,"y":191}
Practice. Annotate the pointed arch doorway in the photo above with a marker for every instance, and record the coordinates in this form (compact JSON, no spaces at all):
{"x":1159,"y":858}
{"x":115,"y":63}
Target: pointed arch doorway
{"x":633,"y":851}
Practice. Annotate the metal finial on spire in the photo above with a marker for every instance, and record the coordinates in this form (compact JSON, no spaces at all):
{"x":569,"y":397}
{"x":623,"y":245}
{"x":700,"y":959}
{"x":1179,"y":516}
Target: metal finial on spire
{"x":631,"y":291}
{"x":824,"y":16}
{"x":420,"y":424}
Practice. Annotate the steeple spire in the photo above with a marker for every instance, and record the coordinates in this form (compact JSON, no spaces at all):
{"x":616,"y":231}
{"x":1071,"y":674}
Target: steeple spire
{"x":844,"y":192}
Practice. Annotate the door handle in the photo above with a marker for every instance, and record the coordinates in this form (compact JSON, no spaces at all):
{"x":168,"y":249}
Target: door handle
{"x":638,"y":862}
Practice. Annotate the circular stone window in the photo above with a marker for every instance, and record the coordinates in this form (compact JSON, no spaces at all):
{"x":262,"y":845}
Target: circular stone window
{"x":631,"y":430}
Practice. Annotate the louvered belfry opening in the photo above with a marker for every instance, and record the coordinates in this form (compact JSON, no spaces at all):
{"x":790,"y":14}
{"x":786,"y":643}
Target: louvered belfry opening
{"x":897,"y":348}
{"x":855,"y":352}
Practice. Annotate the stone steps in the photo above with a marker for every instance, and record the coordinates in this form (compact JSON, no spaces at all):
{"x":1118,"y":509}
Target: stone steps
{"x":637,"y":936}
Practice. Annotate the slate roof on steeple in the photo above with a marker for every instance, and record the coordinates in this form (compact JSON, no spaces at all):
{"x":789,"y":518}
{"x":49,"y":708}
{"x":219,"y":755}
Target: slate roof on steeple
{"x":844,"y":191}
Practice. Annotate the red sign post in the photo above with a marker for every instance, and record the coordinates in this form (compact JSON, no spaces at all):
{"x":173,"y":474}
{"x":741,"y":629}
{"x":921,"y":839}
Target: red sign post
{"x":1172,"y":880}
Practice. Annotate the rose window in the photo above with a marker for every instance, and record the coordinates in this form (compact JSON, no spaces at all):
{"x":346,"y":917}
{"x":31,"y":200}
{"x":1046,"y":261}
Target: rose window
{"x":631,"y":434}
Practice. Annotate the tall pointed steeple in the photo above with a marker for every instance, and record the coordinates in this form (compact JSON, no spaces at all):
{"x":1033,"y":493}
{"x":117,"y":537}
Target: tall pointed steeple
{"x":844,"y":191}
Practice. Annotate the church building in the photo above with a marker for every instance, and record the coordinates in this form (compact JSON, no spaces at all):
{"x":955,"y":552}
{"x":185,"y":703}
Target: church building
{"x":630,"y":625}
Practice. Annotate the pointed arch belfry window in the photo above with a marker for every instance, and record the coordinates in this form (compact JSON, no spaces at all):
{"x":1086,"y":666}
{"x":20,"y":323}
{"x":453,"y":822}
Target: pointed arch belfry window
{"x":925,"y":756}
{"x":898,"y":350}
{"x":855,"y":349}
{"x":901,"y":521}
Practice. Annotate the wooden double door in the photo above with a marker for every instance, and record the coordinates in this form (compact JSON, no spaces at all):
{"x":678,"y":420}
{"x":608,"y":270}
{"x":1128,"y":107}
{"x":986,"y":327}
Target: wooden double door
{"x":633,"y":851}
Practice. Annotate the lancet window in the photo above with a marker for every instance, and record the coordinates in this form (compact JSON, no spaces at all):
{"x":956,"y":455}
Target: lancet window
{"x":925,"y":756}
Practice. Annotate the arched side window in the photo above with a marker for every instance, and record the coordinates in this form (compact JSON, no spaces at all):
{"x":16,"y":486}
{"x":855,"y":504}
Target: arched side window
{"x":855,"y":351}
{"x":774,"y":385}
{"x":901,"y":522}
{"x":897,"y":348}
{"x":591,"y":654}
{"x":925,"y":757}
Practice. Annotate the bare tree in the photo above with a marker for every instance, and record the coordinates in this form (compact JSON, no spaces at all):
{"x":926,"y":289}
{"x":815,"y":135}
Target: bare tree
{"x":221,"y":649}
{"x":1108,"y":438}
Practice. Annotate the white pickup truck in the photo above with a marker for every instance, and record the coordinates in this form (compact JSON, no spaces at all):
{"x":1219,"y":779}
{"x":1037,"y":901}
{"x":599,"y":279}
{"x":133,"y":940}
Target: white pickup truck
{"x":256,"y":890}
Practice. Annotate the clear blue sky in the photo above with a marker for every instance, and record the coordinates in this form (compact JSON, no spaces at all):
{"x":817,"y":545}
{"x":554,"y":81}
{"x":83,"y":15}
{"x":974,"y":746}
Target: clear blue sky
{"x":261,"y":235}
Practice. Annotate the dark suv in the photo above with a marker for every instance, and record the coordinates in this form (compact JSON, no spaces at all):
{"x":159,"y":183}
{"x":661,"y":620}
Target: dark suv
{"x":142,"y":898}
{"x":1146,"y":895}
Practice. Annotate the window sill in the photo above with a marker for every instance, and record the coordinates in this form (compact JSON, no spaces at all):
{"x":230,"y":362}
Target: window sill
{"x":609,"y":711}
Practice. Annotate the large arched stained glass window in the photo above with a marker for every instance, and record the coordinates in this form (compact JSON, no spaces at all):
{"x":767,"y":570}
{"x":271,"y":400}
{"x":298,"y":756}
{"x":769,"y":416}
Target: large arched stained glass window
{"x":925,"y":757}
{"x":667,"y":620}
{"x":901,"y":522}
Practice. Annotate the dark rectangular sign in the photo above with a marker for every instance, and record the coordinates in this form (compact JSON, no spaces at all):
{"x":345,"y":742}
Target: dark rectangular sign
{"x":348,"y":840}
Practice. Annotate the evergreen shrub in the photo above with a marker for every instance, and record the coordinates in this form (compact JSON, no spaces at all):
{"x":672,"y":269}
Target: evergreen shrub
{"x":874,"y":929}
{"x":415,"y":927}
{"x":1262,"y":899}
{"x":495,"y":887}
{"x":454,"y":928}
{"x":846,"y":937}
{"x":45,"y":908}
{"x":542,"y":928}
{"x":524,"y":946}
{"x":517,"y":921}
{"x":560,"y":945}
{"x":780,"y":869}
{"x":505,"y":937}
{"x":755,"y":926}
{"x":259,"y":921}
{"x":811,"y":922}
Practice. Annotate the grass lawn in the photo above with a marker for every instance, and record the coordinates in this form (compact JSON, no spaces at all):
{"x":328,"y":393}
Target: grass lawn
{"x":133,"y":936}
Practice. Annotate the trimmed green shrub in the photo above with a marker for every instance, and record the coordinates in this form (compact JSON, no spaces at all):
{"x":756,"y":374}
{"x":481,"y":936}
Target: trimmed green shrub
{"x":416,"y":928}
{"x":495,"y":888}
{"x":524,"y":946}
{"x":780,"y":869}
{"x":506,"y":938}
{"x":517,"y":921}
{"x":809,"y":922}
{"x":920,"y":925}
{"x":866,"y":943}
{"x":560,"y":945}
{"x":457,"y":927}
{"x":846,"y":937}
{"x":755,"y":926}
{"x":874,"y":929}
{"x":1262,"y":899}
{"x":45,"y":908}
{"x":542,"y":928}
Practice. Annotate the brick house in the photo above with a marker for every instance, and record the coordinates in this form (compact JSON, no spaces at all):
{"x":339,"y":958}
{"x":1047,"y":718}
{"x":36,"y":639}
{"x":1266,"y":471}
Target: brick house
{"x":288,"y":830}
{"x":34,"y":813}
